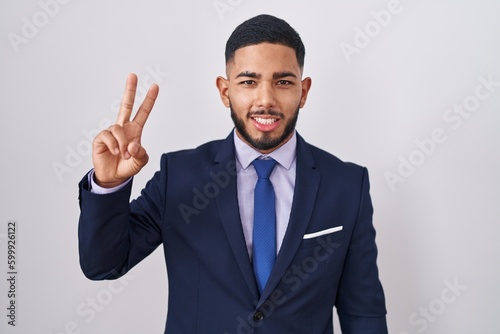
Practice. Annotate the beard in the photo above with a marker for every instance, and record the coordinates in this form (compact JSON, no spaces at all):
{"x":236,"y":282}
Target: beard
{"x":266,"y":142}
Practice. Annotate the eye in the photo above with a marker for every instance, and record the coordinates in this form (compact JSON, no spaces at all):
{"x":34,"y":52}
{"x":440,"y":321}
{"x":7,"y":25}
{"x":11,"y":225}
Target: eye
{"x":247,"y":82}
{"x":284,"y":82}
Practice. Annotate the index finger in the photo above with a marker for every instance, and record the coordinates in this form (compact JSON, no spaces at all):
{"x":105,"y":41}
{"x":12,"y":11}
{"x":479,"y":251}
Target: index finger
{"x":128,"y":99}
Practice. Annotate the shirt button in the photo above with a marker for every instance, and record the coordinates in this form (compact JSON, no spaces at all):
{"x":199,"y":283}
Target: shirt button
{"x":258,"y":316}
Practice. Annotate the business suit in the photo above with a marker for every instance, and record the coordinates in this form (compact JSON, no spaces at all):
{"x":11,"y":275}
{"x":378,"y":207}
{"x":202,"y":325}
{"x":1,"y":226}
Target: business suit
{"x":191,"y":207}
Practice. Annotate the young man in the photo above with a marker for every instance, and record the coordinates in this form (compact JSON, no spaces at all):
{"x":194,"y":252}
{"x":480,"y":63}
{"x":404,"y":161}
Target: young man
{"x":245,"y":252}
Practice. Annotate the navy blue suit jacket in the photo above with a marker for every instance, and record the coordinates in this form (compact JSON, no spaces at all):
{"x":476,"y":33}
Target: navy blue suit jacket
{"x":191,"y":207}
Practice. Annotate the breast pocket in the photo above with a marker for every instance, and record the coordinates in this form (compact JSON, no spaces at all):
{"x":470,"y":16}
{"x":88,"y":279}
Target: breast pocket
{"x":330,"y":236}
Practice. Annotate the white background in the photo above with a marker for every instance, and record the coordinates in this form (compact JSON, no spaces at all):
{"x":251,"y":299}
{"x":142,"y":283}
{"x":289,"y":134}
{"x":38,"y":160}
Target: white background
{"x":437,"y":225}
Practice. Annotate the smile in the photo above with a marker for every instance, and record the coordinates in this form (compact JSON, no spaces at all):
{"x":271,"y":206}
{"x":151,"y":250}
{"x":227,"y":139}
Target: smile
{"x":265,"y":121}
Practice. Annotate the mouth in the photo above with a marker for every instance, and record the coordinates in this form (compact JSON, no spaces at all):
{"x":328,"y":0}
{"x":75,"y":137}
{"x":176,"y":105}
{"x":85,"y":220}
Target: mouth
{"x":265,"y":123}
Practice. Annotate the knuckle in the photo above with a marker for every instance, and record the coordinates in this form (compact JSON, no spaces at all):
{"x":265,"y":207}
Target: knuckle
{"x":115,"y":130}
{"x":127,"y":105}
{"x":100,"y":136}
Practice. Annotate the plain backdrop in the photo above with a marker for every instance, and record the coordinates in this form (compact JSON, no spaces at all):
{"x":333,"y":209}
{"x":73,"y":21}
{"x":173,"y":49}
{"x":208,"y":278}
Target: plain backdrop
{"x":410,"y":89}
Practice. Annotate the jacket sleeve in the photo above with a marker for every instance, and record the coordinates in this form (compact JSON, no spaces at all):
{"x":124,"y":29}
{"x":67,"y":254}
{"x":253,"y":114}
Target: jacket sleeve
{"x":114,"y":235}
{"x":360,"y":300}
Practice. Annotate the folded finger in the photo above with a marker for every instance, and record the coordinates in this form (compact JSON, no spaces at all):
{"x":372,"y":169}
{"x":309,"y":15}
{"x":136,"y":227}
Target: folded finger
{"x":121,"y":139}
{"x":139,"y":155}
{"x":106,"y":141}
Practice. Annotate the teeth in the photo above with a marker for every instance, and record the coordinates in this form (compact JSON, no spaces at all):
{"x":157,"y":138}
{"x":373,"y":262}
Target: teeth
{"x":265,"y":121}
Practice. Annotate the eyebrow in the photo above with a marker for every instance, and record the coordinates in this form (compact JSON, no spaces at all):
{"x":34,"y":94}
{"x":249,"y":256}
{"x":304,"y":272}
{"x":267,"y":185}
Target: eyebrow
{"x":276,"y":75}
{"x":248,"y":74}
{"x":284,"y":74}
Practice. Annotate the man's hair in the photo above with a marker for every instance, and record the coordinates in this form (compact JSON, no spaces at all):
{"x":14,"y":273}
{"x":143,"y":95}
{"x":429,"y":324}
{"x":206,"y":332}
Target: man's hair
{"x":265,"y":29}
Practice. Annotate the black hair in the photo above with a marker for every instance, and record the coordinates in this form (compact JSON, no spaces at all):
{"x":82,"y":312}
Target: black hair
{"x":265,"y":28}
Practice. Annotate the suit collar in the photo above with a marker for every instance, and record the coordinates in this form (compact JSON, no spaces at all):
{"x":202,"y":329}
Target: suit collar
{"x":284,"y":155}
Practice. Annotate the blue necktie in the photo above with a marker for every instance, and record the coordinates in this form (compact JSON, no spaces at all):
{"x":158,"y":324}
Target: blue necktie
{"x":264,"y":223}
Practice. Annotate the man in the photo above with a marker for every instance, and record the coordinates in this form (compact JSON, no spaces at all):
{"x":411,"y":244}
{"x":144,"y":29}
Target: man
{"x":245,"y":252}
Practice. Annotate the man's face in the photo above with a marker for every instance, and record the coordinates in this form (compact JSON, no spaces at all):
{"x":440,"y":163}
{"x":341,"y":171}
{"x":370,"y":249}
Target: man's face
{"x":264,"y":91}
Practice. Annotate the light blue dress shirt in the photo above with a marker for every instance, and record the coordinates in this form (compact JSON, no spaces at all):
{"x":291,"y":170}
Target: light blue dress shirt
{"x":282,"y":178}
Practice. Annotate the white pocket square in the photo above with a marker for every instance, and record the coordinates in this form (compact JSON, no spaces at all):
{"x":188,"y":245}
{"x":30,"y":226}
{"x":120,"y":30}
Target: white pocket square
{"x":320,"y":233}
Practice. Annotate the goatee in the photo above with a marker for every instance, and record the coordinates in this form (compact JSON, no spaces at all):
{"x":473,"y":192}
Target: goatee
{"x":266,"y":142}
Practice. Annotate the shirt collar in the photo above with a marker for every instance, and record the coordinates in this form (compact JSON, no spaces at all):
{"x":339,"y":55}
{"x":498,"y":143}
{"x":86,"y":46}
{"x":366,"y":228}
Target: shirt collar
{"x":284,"y":155}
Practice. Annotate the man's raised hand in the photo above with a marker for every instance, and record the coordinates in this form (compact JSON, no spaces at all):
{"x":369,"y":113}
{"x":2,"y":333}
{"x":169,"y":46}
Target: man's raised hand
{"x":117,"y":152}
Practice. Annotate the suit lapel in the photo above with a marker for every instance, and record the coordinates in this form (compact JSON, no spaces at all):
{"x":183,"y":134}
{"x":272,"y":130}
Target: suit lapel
{"x":306,"y":188}
{"x":227,"y":205}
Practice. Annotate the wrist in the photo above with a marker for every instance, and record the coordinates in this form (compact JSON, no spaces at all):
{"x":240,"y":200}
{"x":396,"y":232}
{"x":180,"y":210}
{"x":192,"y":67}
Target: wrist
{"x":107,"y":184}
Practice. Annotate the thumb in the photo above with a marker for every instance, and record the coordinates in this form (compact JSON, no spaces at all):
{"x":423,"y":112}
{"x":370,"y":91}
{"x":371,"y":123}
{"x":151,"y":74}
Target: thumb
{"x":138,"y":153}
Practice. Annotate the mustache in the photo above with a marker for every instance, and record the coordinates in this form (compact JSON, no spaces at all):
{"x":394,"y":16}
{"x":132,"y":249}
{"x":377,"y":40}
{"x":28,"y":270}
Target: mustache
{"x":266,"y":112}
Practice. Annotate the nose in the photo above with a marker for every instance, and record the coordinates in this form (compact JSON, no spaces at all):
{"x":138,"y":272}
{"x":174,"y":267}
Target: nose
{"x":265,"y":97}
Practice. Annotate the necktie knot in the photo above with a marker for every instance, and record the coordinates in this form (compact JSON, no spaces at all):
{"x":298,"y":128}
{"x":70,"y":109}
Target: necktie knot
{"x":264,"y":167}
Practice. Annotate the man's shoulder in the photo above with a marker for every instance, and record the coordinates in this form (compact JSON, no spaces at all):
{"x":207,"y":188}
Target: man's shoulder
{"x":205,"y":153}
{"x":325,"y":159}
{"x":337,"y":173}
{"x":210,"y":147}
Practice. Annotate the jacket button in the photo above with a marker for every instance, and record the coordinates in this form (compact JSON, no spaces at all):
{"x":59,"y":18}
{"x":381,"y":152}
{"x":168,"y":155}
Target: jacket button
{"x":258,"y":316}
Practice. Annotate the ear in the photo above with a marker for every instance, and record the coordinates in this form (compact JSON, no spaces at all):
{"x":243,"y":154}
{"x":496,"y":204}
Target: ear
{"x":223,"y":87}
{"x":306,"y":85}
